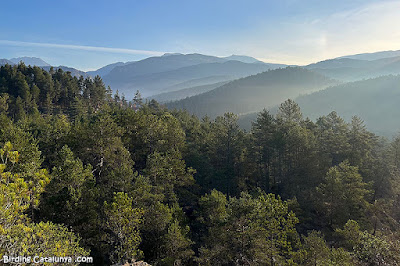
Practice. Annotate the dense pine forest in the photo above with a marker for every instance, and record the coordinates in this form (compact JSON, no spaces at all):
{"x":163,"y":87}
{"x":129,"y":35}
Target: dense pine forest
{"x":84,"y":172}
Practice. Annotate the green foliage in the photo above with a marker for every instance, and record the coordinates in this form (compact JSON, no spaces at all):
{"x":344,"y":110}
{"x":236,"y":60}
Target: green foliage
{"x":177,"y":245}
{"x":333,"y":138}
{"x":213,"y":209}
{"x":4,"y":103}
{"x":255,"y":230}
{"x":71,"y":197}
{"x":123,"y":222}
{"x":289,"y":112}
{"x":146,"y":133}
{"x":41,"y":239}
{"x":315,"y":251}
{"x":167,"y":172}
{"x":33,"y":90}
{"x":369,"y":248}
{"x":136,"y":181}
{"x":342,"y":195}
{"x":98,"y":141}
{"x":165,"y":240}
{"x":20,"y":191}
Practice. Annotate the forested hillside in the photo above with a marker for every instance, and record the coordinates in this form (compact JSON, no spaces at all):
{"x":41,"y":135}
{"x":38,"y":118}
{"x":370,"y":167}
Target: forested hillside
{"x":83,"y":172}
{"x":375,"y":100}
{"x":253,"y":93}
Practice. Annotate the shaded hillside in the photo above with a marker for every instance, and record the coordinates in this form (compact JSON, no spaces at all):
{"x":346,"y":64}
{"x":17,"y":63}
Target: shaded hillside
{"x":254,"y":93}
{"x":375,"y":100}
{"x":340,"y":62}
{"x":348,"y":69}
{"x":343,"y":73}
{"x":154,"y":83}
{"x":106,"y":69}
{"x":183,"y":93}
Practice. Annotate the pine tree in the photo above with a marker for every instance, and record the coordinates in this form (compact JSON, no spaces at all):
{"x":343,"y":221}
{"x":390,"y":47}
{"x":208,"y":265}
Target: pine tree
{"x":252,"y":230}
{"x":137,"y":101}
{"x":177,"y":245}
{"x":123,"y":219}
{"x":342,"y":195}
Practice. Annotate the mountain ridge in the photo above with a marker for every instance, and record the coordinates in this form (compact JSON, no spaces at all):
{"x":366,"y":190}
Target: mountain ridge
{"x":154,"y":83}
{"x":33,"y":61}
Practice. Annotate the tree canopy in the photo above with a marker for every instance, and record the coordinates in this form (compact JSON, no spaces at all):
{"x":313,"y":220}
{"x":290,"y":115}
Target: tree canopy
{"x":83,"y":173}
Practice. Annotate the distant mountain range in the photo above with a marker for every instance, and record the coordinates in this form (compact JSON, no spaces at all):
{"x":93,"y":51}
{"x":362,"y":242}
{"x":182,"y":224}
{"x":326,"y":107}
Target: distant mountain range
{"x":358,"y":84}
{"x":170,"y":72}
{"x":5,"y":61}
{"x":34,"y":61}
{"x":365,"y":86}
{"x":166,"y":73}
{"x":158,"y":64}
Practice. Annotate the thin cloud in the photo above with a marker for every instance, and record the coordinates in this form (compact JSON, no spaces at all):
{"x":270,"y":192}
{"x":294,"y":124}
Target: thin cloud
{"x":81,"y":47}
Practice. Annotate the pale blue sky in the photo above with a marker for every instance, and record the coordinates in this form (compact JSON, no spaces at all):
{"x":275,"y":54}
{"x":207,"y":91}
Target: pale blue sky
{"x":90,"y":34}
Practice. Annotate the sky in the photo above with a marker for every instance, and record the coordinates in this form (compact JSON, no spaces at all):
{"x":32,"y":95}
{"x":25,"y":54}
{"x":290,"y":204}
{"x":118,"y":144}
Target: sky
{"x":88,"y":34}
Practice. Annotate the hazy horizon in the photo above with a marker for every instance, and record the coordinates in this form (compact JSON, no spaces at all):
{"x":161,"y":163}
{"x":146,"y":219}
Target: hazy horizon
{"x":288,"y":32}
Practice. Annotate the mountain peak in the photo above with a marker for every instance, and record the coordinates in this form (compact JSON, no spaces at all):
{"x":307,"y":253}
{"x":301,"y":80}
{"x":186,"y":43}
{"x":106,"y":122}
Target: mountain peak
{"x":33,"y":61}
{"x":374,"y":55}
{"x":169,"y":54}
{"x":243,"y":58}
{"x":5,"y":61}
